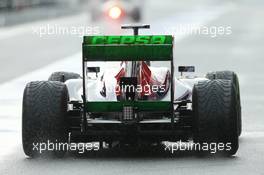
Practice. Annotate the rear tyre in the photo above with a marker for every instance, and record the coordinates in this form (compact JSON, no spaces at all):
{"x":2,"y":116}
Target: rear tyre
{"x":215,"y":115}
{"x":232,"y":76}
{"x":63,"y":76}
{"x":44,"y":117}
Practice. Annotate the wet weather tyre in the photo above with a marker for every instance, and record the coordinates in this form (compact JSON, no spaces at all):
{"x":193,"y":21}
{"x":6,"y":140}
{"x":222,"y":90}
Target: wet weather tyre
{"x":63,"y":76}
{"x":44,"y":117}
{"x":215,"y":115}
{"x":232,"y":76}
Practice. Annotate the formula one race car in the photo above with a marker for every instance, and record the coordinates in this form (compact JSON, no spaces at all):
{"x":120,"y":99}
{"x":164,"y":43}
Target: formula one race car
{"x":131,"y":97}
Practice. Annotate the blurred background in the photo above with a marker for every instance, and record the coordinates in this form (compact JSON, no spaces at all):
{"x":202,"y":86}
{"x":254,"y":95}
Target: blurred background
{"x":15,"y":12}
{"x":38,"y":37}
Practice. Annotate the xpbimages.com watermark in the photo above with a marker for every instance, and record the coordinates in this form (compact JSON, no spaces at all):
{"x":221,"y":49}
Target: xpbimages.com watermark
{"x":59,"y":30}
{"x":212,"y":148}
{"x":41,"y":147}
{"x":139,"y":89}
{"x":172,"y":147}
{"x":190,"y":29}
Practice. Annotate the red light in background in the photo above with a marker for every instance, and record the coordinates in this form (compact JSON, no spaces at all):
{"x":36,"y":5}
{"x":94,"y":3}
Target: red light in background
{"x":115,"y":12}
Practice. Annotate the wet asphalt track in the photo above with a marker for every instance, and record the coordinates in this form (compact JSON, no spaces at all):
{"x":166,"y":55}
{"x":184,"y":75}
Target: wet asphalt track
{"x":242,"y":51}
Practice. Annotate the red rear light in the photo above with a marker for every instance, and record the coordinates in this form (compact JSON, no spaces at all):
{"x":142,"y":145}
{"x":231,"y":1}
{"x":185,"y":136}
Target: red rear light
{"x":115,"y":12}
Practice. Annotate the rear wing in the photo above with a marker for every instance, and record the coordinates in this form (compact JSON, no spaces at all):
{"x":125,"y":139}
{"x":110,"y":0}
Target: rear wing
{"x":128,"y":48}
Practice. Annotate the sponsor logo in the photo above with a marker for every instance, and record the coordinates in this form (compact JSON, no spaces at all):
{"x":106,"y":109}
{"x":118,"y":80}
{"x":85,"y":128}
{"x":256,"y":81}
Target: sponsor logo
{"x":128,"y":40}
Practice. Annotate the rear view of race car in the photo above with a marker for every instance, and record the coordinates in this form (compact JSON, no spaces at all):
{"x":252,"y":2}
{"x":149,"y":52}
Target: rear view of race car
{"x":135,"y":99}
